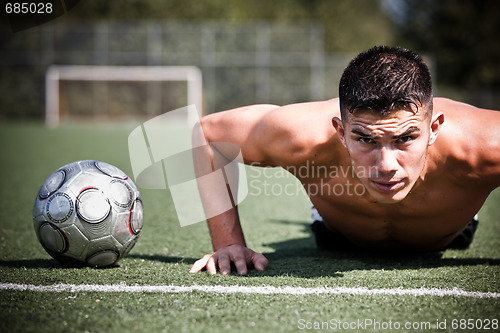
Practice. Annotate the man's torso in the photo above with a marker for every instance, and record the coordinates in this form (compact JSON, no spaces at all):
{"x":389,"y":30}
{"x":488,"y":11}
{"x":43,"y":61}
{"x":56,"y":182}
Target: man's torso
{"x":429,"y":218}
{"x":437,"y":209}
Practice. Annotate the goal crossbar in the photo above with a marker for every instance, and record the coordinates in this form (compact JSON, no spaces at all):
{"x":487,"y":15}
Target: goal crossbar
{"x":190,"y":74}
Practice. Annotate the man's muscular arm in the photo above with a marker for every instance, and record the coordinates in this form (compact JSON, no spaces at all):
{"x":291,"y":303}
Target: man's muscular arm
{"x":240,"y":127}
{"x":267,"y":136}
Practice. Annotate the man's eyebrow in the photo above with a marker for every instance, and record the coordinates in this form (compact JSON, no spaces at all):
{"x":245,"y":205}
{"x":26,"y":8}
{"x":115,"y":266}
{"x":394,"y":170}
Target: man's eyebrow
{"x":409,"y":131}
{"x":360,"y":133}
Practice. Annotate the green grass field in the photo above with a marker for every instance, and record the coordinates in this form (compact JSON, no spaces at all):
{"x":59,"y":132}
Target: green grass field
{"x":276,"y":226}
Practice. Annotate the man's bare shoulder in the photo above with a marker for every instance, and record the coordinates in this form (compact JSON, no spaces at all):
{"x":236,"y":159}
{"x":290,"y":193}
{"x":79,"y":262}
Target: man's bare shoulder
{"x":463,"y":111}
{"x":297,"y":132}
{"x":295,"y":115}
{"x":271,"y":135}
{"x":471,"y":137}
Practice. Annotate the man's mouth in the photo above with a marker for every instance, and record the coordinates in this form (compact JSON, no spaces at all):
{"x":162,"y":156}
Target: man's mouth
{"x":388,"y":186}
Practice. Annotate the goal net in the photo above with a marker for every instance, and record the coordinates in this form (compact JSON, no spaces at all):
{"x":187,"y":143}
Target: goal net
{"x":112,"y":93}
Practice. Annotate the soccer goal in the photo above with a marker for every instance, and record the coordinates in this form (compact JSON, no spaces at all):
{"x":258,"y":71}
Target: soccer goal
{"x":109,"y":93}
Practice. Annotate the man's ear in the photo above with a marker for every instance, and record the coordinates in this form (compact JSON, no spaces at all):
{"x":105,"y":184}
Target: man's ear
{"x":339,"y":127}
{"x":436,"y":123}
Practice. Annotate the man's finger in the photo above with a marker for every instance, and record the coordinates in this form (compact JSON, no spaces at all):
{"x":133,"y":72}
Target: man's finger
{"x":260,"y":262}
{"x":241,"y":265}
{"x":199,"y":264}
{"x":211,"y":267}
{"x":224,"y":265}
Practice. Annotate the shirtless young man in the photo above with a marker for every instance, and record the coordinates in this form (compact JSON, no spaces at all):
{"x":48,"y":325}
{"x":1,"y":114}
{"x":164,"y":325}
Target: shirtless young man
{"x":426,"y":165}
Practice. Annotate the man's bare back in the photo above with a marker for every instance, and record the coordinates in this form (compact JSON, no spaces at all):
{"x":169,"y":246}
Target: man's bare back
{"x":386,"y":165}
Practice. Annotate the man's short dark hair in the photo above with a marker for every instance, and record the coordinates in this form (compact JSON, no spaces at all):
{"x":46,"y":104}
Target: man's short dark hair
{"x":384,"y":79}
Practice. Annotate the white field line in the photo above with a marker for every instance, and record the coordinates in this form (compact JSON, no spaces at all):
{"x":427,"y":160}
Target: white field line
{"x":266,"y":290}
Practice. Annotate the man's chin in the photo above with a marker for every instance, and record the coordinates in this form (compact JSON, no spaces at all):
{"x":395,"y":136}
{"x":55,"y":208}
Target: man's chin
{"x":389,"y":198}
{"x":387,"y":201}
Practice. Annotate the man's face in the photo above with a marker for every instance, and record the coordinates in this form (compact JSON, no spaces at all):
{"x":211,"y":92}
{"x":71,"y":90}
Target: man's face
{"x":388,"y":153}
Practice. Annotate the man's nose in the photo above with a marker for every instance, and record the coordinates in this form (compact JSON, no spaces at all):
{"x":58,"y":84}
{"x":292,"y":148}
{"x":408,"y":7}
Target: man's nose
{"x":387,"y":160}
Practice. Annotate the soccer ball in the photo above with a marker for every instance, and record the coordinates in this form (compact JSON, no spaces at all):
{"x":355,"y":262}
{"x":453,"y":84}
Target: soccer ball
{"x":88,"y":212}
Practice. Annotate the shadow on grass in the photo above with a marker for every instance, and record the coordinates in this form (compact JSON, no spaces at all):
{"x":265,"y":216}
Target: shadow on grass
{"x":32,"y":263}
{"x":163,"y":258}
{"x":54,"y":264}
{"x":48,"y":263}
{"x":300,"y":257}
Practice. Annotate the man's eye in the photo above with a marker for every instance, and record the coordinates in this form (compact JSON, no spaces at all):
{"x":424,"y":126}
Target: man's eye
{"x":365,"y":140}
{"x":405,"y":139}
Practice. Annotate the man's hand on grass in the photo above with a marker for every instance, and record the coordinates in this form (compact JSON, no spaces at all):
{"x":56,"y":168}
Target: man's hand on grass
{"x":242,"y":257}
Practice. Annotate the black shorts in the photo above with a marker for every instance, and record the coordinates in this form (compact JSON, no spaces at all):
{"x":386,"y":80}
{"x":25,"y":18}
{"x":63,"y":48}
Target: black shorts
{"x":327,"y":240}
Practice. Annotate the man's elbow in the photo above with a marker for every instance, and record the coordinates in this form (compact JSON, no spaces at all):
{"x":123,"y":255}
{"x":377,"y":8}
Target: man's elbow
{"x":199,"y":134}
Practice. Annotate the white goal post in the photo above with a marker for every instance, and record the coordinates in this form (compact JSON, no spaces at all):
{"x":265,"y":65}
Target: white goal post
{"x":55,"y":74}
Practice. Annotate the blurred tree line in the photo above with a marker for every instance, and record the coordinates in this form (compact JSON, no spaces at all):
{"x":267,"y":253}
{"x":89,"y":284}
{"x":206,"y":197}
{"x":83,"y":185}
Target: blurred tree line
{"x":349,"y":25}
{"x":460,"y":36}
